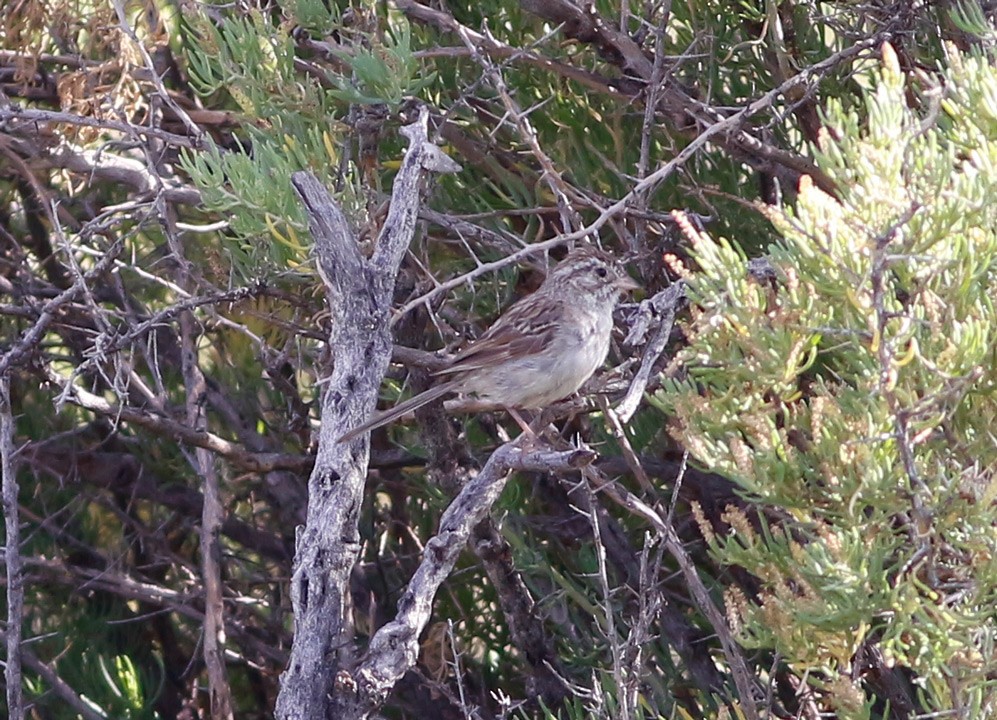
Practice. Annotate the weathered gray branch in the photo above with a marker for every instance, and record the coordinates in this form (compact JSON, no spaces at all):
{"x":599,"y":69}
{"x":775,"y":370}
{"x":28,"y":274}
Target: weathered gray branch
{"x":395,"y":647}
{"x":57,"y":686}
{"x":30,"y":340}
{"x":743,"y":679}
{"x":360,"y":298}
{"x":212,"y":514}
{"x":660,"y":311}
{"x":12,"y":555}
{"x":235,"y":453}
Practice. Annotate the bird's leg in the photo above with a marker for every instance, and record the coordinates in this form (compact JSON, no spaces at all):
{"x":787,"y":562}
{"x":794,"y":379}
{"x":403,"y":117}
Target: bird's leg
{"x":522,"y":423}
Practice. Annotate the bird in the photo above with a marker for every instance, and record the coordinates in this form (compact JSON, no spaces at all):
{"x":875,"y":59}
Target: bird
{"x":540,"y":350}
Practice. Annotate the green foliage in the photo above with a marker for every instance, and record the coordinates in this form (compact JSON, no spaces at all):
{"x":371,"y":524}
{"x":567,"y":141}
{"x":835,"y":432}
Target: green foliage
{"x":252,"y":61}
{"x":385,"y":73}
{"x":125,"y":683}
{"x":293,"y":122}
{"x":858,"y":394}
{"x":968,"y":16}
{"x":881,"y":317}
{"x":315,"y":16}
{"x":116,"y":673}
{"x":255,"y":193}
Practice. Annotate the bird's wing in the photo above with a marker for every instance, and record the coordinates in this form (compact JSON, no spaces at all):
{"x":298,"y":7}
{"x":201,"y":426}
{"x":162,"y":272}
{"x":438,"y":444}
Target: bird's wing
{"x":505,"y":340}
{"x":412,"y":404}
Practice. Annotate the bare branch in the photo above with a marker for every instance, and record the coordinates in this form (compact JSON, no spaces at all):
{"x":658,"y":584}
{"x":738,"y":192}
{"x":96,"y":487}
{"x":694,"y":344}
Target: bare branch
{"x":701,"y":596}
{"x":48,"y":314}
{"x":550,"y":175}
{"x":192,"y":128}
{"x":122,"y":473}
{"x":33,"y":115}
{"x":660,"y":309}
{"x":119,"y":169}
{"x":493,"y":47}
{"x":520,"y":610}
{"x":161,"y":425}
{"x":60,"y":687}
{"x":727,"y":125}
{"x":12,"y":556}
{"x":181,"y":602}
{"x":360,"y":297}
{"x":395,"y":647}
{"x":399,"y":226}
{"x":339,"y":258}
{"x":212,"y":514}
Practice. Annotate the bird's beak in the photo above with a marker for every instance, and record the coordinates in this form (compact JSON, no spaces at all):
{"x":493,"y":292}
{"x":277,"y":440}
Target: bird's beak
{"x":627,"y":283}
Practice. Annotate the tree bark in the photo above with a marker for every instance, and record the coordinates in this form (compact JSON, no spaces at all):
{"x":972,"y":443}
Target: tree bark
{"x":360,"y":293}
{"x":12,"y":556}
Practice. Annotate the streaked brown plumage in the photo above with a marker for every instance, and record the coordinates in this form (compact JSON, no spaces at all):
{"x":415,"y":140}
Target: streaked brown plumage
{"x":542,"y":349}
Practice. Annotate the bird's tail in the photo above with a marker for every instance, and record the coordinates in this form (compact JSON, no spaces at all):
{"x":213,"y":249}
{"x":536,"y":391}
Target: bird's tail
{"x":413,"y":403}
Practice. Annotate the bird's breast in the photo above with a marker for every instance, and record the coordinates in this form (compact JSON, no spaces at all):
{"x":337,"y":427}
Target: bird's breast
{"x":534,"y":381}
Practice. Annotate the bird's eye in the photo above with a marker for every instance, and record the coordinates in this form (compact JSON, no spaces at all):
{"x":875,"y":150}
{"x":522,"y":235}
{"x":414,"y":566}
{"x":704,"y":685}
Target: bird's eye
{"x":601,"y":272}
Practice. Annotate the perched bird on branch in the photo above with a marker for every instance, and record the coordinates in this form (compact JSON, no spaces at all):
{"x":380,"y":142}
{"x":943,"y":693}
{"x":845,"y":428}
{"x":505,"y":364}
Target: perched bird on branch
{"x":542,"y":349}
